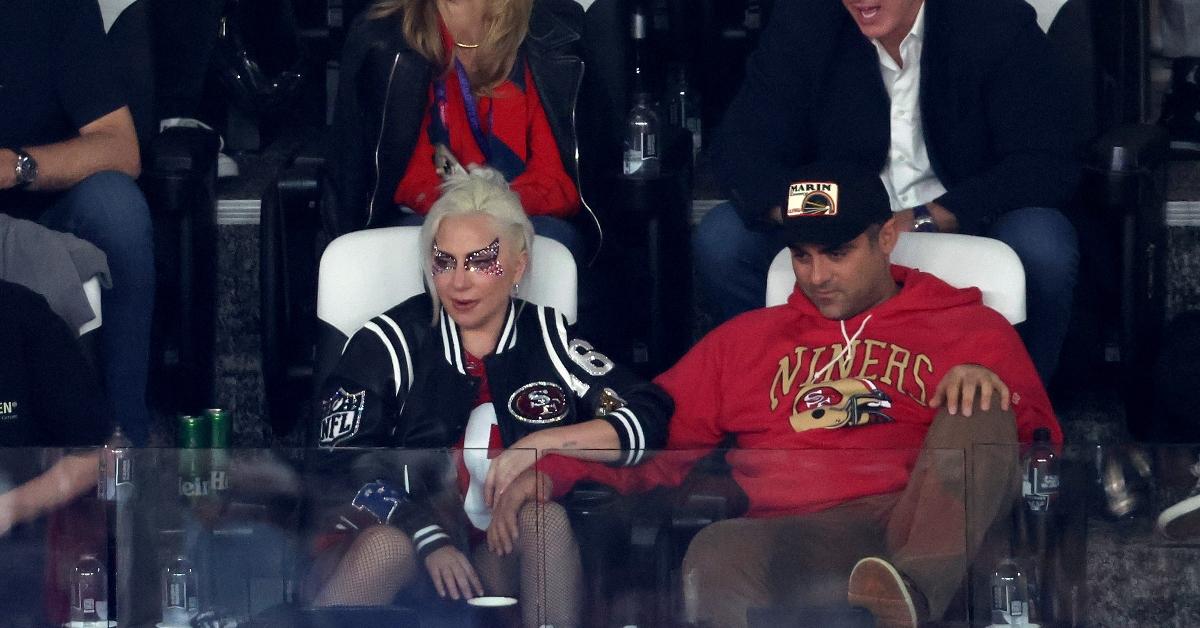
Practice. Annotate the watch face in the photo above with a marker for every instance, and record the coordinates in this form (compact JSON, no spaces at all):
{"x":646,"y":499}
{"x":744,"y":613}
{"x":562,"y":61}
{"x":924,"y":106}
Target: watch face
{"x":27,"y":169}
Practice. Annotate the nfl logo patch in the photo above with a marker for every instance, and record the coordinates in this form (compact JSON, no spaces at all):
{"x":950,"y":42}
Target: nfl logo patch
{"x":343,"y":416}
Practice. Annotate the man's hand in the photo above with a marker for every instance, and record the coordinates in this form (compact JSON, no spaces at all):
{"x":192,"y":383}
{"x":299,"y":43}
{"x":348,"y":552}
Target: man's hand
{"x":8,"y":169}
{"x":452,"y":574}
{"x":530,"y":486}
{"x":508,"y":465}
{"x":961,"y":385}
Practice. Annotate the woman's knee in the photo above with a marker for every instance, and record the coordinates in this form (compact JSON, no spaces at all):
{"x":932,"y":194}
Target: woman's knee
{"x":544,"y":519}
{"x":385,"y":544}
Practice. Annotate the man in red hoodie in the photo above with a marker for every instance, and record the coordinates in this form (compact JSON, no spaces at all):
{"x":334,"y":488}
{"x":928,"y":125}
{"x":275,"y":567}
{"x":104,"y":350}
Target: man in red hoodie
{"x":854,"y":410}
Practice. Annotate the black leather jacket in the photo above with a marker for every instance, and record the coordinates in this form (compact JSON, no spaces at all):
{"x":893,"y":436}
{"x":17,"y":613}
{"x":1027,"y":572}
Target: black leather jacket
{"x":382,"y":97}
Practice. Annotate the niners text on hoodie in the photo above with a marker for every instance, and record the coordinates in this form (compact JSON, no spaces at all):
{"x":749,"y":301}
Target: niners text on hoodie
{"x":782,"y":379}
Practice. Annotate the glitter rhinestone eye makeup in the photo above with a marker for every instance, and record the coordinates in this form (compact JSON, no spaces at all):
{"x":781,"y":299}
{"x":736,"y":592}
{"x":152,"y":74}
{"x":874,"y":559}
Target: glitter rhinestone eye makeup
{"x":486,"y":261}
{"x":443,"y":262}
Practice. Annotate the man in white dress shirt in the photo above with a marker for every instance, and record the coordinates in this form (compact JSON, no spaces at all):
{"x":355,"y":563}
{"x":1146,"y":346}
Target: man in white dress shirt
{"x":959,"y":105}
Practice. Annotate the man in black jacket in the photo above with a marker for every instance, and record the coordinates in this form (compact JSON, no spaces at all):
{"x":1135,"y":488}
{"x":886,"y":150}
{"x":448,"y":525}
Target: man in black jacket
{"x":956,"y":103}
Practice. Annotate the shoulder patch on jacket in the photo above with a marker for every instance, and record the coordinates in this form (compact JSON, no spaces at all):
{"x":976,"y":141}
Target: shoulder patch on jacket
{"x":343,"y":416}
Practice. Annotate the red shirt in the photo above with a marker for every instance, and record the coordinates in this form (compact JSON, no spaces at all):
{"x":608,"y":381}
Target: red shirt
{"x":471,"y":475}
{"x":516,"y":118}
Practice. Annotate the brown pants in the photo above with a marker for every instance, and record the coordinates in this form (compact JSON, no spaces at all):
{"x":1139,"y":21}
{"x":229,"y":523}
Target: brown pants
{"x":965,"y":476}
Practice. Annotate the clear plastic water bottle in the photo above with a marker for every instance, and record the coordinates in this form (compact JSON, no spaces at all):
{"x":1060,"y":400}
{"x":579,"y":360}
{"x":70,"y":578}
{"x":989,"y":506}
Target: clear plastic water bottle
{"x":1041,"y":480}
{"x":89,"y":590}
{"x":116,"y":468}
{"x":1010,"y":595}
{"x":180,"y":593}
{"x":642,"y":133}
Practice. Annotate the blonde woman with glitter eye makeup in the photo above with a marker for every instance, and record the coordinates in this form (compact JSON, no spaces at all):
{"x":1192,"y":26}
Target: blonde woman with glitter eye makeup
{"x":487,"y":371}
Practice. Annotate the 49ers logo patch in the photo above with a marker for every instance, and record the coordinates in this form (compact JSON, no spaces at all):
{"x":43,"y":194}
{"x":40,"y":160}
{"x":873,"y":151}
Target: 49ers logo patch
{"x":812,"y":198}
{"x":343,"y":416}
{"x":538,"y":402}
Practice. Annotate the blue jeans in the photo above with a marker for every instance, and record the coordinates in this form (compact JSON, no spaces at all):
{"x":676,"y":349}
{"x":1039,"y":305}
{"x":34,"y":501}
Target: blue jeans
{"x":732,"y":263}
{"x":556,"y":229}
{"x":108,"y":210}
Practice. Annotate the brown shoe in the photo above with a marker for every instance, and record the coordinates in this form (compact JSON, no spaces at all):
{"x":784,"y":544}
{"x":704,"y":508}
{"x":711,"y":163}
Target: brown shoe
{"x":878,"y":587}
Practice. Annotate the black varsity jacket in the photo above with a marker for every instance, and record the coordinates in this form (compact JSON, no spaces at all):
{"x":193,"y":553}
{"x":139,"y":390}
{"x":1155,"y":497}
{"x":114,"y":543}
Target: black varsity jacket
{"x":402,"y":383}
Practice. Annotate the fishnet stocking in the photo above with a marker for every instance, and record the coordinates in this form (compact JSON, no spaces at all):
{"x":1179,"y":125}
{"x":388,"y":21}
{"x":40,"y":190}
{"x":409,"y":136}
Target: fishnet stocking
{"x":547,"y":562}
{"x":379,"y":563}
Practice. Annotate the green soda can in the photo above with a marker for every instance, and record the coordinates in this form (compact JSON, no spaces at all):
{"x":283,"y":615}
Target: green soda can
{"x":193,"y":436}
{"x":192,"y":432}
{"x":219,"y":423}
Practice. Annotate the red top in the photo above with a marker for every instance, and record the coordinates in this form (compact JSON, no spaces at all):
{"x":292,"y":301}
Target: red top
{"x":514,"y":115}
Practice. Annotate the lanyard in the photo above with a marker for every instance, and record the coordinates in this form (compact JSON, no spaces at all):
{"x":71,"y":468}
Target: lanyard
{"x":464,"y":85}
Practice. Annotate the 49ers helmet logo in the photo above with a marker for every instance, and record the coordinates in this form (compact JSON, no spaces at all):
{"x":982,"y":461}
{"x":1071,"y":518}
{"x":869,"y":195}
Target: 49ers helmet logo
{"x":842,"y":403}
{"x":538,"y":402}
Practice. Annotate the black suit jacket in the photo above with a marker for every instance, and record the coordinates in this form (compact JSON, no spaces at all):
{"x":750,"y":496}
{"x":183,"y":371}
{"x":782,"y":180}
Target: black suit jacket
{"x":997,"y":123}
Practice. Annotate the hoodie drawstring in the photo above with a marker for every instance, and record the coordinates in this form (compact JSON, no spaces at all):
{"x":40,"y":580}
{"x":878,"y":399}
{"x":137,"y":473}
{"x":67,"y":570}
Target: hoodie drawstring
{"x":849,"y":348}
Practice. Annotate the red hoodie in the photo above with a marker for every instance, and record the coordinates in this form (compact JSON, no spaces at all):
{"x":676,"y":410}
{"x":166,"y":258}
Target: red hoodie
{"x":762,"y":378}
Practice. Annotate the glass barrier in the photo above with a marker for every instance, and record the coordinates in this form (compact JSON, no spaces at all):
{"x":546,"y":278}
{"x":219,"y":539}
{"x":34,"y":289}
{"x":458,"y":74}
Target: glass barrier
{"x":290,"y":537}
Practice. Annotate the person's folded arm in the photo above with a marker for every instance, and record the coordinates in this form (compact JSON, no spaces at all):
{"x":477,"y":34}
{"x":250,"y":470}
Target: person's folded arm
{"x":107,"y":143}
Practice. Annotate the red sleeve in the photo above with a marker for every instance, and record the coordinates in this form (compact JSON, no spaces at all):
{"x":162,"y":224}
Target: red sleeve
{"x":696,"y":387}
{"x":1001,"y":350}
{"x":545,"y":188}
{"x":421,"y":184}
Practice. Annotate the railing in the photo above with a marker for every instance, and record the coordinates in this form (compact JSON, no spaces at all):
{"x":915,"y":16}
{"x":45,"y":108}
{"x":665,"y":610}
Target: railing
{"x":262,"y":531}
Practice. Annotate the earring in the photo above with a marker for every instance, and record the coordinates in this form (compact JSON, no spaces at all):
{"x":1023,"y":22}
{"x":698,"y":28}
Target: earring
{"x":516,"y":287}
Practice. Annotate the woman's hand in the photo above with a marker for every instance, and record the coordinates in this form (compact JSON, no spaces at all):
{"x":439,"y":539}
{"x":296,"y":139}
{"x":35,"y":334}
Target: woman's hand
{"x":959,"y":387}
{"x":511,"y":463}
{"x":453,"y":574}
{"x":503,"y":532}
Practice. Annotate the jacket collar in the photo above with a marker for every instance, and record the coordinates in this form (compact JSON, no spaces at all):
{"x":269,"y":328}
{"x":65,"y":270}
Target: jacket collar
{"x":547,"y":31}
{"x":452,"y":346}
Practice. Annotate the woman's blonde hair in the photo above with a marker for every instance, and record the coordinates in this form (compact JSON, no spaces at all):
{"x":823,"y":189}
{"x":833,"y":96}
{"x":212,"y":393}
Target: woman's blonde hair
{"x":505,"y":25}
{"x":481,"y":191}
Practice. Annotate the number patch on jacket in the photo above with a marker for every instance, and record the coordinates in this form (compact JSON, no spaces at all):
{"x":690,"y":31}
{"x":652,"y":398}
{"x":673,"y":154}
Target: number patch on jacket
{"x":591,"y":361}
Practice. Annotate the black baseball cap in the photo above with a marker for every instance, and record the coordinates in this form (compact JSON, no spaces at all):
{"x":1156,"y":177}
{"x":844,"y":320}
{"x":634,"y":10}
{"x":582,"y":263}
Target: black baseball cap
{"x":831,"y":203}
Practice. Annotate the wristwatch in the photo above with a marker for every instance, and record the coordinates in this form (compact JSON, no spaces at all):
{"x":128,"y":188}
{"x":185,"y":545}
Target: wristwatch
{"x":923,"y":220}
{"x":26,"y":168}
